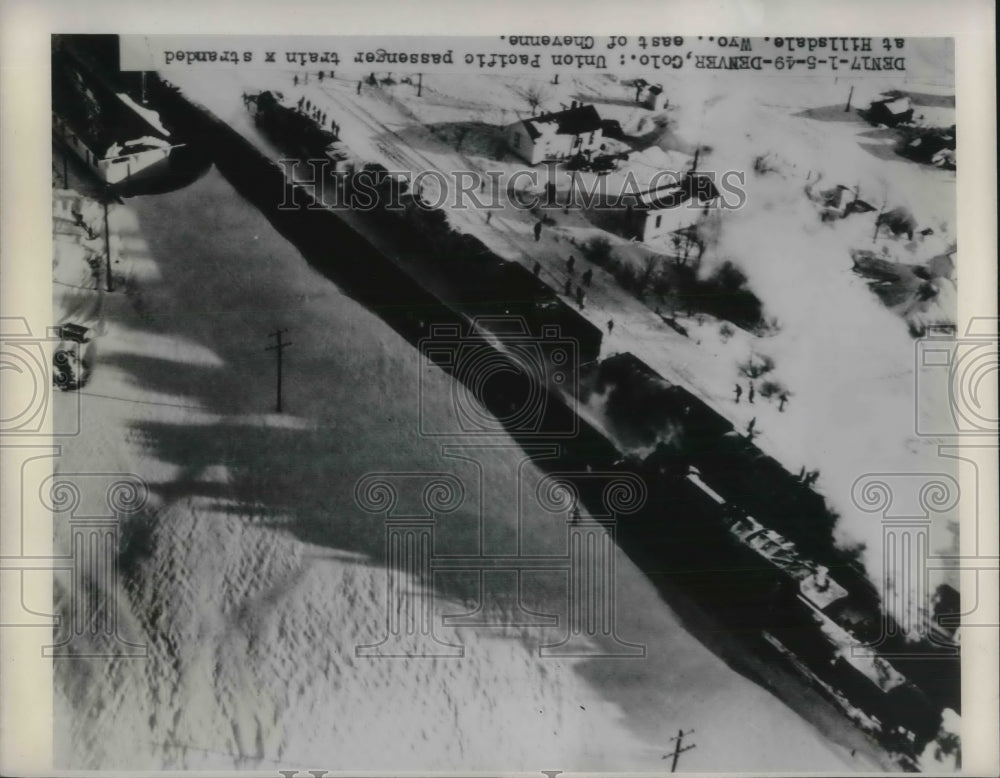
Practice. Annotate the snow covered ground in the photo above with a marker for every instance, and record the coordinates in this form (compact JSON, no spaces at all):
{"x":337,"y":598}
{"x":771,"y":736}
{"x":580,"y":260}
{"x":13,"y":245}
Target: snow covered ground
{"x":255,"y":575}
{"x":252,"y":575}
{"x":846,"y":360}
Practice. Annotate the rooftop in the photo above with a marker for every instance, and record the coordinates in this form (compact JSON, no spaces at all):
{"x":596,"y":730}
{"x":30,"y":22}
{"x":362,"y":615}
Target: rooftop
{"x":697,"y":186}
{"x":572,"y":121}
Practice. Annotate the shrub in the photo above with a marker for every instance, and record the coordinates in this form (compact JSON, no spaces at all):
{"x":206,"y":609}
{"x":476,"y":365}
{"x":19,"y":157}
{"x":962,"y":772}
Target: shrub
{"x":598,"y":251}
{"x":628,"y":277}
{"x":757,"y":366}
{"x":771,"y":388}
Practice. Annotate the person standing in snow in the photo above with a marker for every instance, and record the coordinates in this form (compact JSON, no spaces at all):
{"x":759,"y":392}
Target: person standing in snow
{"x":489,"y":215}
{"x":611,"y":325}
{"x":537,"y":269}
{"x":570,"y":263}
{"x":750,"y":394}
{"x":781,"y":401}
{"x":750,"y":427}
{"x":538,"y":231}
{"x":739,"y":393}
{"x":568,"y":288}
{"x":359,"y":87}
{"x":588,"y":276}
{"x":580,"y":295}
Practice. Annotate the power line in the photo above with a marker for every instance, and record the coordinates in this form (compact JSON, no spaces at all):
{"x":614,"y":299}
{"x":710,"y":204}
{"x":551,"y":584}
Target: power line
{"x":143,"y":402}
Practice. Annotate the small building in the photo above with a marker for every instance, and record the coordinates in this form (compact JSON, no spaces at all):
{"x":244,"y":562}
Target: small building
{"x":935,"y":146}
{"x":890,"y":111}
{"x":655,"y":99}
{"x":124,"y":157}
{"x":898,"y":221}
{"x":115,"y":136}
{"x":560,"y":135}
{"x":672,"y":209}
{"x":840,"y":202}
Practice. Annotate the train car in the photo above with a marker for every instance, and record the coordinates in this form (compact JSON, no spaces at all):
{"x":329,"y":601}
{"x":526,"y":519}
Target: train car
{"x":763,"y":582}
{"x":291,"y":128}
{"x":703,"y":426}
{"x":472,"y":277}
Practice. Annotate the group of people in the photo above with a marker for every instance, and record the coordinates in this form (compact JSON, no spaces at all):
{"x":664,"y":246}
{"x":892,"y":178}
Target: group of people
{"x":751,"y":393}
{"x":588,"y":275}
{"x":580,"y":294}
{"x":808,"y":478}
{"x":306,"y":107}
{"x":305,"y":77}
{"x":586,"y":278}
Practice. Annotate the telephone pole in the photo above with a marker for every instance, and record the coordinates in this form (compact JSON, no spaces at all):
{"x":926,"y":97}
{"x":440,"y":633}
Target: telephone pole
{"x":878,"y":219}
{"x":279,"y":347}
{"x":678,"y":750}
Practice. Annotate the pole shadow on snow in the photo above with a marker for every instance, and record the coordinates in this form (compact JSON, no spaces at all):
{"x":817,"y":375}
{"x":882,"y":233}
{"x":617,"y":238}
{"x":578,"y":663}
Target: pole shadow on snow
{"x":301,"y":477}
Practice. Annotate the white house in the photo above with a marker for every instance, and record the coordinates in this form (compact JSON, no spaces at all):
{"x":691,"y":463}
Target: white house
{"x":121,"y":160}
{"x":890,"y":111}
{"x":673,"y":208}
{"x":561,"y":135}
{"x":117,"y":138}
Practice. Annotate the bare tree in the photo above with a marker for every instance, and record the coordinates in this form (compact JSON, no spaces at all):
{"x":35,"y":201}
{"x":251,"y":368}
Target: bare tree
{"x":534,"y":95}
{"x":650,"y":266}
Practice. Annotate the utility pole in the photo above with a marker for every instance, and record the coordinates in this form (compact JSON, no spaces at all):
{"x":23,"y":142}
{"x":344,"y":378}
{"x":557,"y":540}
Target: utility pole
{"x":878,"y":219}
{"x":420,"y":83}
{"x":677,"y":748}
{"x":107,"y":239}
{"x":279,"y":347}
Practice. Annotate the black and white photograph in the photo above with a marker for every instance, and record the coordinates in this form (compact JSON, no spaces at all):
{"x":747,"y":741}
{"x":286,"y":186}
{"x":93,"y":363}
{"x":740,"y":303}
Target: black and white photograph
{"x":505,"y":403}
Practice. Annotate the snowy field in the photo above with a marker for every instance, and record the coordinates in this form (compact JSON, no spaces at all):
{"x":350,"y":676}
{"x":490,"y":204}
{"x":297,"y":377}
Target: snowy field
{"x":253,"y":574}
{"x":846,"y":359}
